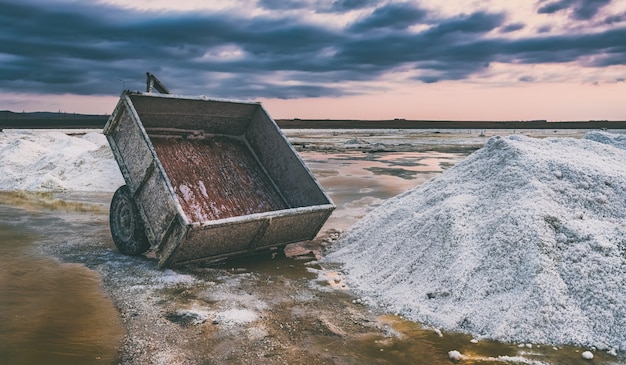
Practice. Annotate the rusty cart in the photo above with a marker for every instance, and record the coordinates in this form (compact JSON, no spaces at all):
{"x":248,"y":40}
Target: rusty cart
{"x":207,"y":180}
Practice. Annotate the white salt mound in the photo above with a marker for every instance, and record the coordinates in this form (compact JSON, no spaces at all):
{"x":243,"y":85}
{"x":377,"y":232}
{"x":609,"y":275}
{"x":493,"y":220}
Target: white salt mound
{"x":587,"y":355}
{"x":617,"y":140}
{"x":55,"y":161}
{"x":523,"y":241}
{"x":455,"y":355}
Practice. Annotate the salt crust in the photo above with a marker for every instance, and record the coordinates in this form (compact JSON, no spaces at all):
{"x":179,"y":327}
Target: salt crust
{"x":523,"y":241}
{"x":55,"y":161}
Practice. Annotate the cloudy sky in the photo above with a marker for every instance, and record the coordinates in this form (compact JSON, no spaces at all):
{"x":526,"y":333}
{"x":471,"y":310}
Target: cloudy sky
{"x":367,"y":59}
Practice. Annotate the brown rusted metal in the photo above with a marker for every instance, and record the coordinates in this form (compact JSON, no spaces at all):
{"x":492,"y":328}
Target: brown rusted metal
{"x":216,"y":177}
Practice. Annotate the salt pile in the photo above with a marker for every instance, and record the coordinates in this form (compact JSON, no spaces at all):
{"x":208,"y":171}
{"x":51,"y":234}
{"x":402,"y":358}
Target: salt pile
{"x":523,"y":241}
{"x":55,"y":161}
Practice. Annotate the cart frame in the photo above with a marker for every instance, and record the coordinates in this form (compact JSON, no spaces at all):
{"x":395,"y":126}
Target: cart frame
{"x":153,"y":208}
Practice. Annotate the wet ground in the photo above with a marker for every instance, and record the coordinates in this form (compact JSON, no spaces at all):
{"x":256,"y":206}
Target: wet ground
{"x":50,"y":312}
{"x":68,"y":297}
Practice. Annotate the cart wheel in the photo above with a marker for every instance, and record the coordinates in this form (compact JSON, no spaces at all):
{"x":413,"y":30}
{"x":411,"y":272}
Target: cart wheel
{"x":127,"y":227}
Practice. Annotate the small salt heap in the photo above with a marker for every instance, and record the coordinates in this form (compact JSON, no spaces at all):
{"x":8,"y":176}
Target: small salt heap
{"x":55,"y":161}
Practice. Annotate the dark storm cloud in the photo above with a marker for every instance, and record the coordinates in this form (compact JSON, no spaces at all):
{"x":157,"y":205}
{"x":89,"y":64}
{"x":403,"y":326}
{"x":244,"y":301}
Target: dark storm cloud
{"x":512,"y":27}
{"x":393,"y":16}
{"x":448,"y":50}
{"x":479,"y":22}
{"x":553,"y":7}
{"x":94,"y":49}
{"x":544,"y":29}
{"x":336,"y":6}
{"x":581,"y":9}
{"x":347,"y":5}
{"x":284,"y":5}
{"x":587,"y":9}
{"x":615,"y":18}
{"x":48,"y":45}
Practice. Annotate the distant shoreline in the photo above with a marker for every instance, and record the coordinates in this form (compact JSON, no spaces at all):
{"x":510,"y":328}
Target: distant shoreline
{"x":11,"y":120}
{"x":428,"y":124}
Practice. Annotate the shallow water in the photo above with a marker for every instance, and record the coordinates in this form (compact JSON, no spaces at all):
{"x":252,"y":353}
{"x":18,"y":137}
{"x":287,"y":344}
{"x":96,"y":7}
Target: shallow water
{"x":359,"y":181}
{"x":51,"y":313}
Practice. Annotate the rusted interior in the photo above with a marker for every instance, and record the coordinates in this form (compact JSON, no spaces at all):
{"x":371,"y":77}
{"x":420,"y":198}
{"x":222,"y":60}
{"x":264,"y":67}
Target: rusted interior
{"x":216,"y":177}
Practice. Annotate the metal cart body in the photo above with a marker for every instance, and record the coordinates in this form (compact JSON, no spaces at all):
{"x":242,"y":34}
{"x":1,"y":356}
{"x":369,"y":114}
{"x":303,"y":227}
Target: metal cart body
{"x":210,"y":179}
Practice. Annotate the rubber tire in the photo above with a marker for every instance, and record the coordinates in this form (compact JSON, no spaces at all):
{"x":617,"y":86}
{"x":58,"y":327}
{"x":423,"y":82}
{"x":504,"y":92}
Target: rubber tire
{"x":127,"y":229}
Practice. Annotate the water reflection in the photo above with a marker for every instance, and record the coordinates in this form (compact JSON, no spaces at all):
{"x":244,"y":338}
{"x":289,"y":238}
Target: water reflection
{"x":358,"y":181}
{"x":33,"y":201}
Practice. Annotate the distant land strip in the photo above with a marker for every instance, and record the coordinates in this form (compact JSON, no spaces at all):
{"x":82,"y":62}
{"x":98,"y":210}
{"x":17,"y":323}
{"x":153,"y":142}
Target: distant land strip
{"x":51,"y":120}
{"x":47,"y":120}
{"x":445,"y":124}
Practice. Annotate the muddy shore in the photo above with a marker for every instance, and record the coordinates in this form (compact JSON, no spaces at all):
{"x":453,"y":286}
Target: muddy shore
{"x":271,"y":310}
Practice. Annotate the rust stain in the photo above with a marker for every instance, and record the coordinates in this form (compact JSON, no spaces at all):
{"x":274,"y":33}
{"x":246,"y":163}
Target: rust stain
{"x":216,"y":177}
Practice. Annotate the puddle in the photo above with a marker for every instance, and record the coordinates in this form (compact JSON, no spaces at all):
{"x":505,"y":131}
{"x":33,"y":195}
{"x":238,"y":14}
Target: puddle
{"x":52,"y":313}
{"x":410,"y":343}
